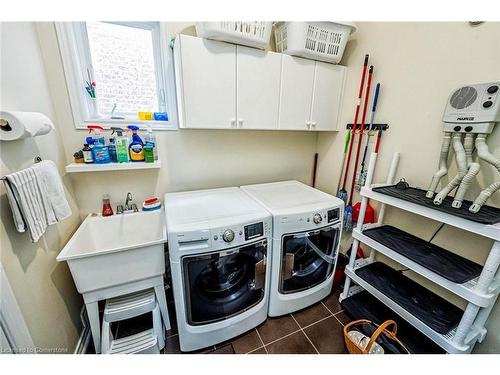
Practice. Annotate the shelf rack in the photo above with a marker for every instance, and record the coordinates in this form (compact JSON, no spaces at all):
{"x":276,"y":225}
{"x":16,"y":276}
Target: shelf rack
{"x":480,"y":293}
{"x":81,"y":167}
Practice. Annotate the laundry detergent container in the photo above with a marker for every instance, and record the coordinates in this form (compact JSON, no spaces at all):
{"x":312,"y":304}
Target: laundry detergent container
{"x":323,"y":41}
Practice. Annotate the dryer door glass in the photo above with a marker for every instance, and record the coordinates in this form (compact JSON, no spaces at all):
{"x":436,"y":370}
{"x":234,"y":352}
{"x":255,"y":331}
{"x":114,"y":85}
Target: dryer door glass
{"x":308,"y":258}
{"x":222,"y":284}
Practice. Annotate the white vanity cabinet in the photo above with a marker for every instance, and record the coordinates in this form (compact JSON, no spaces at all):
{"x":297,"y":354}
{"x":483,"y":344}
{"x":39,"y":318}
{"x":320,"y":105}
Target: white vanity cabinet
{"x":224,"y":86}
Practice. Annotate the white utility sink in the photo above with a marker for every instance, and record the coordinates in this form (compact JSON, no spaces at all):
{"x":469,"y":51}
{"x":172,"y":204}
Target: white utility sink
{"x":109,"y":251}
{"x":116,"y":255}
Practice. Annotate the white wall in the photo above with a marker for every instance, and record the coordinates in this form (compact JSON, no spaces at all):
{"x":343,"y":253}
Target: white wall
{"x":419,"y":65}
{"x":191,"y":159}
{"x":43,"y":288}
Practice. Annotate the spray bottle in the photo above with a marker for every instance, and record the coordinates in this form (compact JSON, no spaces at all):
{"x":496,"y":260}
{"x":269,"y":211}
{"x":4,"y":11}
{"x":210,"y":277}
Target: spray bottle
{"x":100,"y":151}
{"x":136,"y":147}
{"x":121,"y":146}
{"x":95,"y":131}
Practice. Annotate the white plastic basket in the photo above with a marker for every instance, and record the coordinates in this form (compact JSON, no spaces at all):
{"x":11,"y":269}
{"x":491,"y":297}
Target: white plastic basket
{"x":253,"y":33}
{"x":324,"y":41}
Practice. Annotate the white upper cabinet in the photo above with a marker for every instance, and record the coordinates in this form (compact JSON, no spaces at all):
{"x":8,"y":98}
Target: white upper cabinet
{"x":297,"y":78}
{"x":206,"y":83}
{"x":224,"y":86}
{"x":327,"y":96}
{"x":258,"y":88}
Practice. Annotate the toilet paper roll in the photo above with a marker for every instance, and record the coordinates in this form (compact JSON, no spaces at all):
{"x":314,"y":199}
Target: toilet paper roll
{"x":16,"y":125}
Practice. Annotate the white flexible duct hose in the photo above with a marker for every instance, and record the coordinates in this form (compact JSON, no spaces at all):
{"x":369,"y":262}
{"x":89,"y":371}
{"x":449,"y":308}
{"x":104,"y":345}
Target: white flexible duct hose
{"x":469,"y":147}
{"x":473,"y":170}
{"x":462,"y":169}
{"x":484,"y":153}
{"x":464,"y":186}
{"x":484,"y":196}
{"x":443,"y":165}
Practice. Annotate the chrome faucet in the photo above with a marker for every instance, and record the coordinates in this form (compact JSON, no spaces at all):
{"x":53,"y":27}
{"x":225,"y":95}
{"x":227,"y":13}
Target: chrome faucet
{"x":128,"y":207}
{"x":127,"y":200}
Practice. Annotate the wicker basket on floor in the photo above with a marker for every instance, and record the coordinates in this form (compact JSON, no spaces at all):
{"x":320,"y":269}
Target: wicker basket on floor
{"x":382,"y":329}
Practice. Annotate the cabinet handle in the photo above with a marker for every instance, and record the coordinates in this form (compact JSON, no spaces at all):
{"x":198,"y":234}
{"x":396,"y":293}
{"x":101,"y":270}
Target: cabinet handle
{"x":313,"y":123}
{"x":240,"y":122}
{"x":308,"y":124}
{"x":233,"y":122}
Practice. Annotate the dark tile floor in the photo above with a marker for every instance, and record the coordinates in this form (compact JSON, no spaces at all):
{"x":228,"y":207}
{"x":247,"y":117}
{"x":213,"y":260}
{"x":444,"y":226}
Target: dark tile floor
{"x":315,"y":330}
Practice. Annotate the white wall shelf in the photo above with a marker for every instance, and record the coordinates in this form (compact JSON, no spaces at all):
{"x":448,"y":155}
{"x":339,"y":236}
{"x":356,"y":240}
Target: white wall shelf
{"x":109,"y":167}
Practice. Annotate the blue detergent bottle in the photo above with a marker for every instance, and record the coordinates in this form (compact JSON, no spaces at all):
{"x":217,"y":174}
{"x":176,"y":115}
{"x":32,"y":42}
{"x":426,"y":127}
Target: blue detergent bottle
{"x":136,"y":147}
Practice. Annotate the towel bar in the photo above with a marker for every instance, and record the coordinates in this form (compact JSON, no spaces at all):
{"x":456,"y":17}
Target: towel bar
{"x":38,"y":159}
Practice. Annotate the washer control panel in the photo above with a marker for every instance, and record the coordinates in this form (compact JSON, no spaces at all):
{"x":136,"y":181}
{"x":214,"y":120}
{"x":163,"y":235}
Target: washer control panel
{"x":240,"y":234}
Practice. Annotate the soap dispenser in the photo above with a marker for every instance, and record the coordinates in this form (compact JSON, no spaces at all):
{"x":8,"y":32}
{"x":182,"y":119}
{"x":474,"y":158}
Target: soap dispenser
{"x":107,"y":210}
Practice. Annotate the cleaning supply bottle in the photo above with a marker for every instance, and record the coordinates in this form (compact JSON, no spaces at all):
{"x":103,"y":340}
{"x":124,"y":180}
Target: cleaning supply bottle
{"x":150,"y":139}
{"x":87,"y":154}
{"x":112,"y":149}
{"x":149,"y":156}
{"x":101,"y":154}
{"x":95,"y":131}
{"x":136,"y":147}
{"x":121,"y":145}
{"x":107,"y":210}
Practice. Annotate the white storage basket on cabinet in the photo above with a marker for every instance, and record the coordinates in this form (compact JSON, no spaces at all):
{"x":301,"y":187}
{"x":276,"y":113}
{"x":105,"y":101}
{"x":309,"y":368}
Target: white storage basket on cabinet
{"x":252,"y":33}
{"x":323,"y":41}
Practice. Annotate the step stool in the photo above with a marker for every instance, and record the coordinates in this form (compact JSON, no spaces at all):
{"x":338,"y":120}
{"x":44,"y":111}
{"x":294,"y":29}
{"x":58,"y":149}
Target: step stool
{"x":126,"y":307}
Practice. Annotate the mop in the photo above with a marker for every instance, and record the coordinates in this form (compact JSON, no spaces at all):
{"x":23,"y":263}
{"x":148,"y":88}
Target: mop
{"x":342,"y":192}
{"x":362,"y":173}
{"x":370,"y":212}
{"x":348,"y":210}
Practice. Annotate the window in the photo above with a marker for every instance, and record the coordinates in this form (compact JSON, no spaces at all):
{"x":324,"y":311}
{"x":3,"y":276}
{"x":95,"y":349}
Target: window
{"x":130,"y":63}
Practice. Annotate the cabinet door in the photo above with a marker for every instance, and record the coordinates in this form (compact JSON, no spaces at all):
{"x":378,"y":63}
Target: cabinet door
{"x":297,"y":77}
{"x":206,"y":83}
{"x":258,"y":88}
{"x":326,"y":103}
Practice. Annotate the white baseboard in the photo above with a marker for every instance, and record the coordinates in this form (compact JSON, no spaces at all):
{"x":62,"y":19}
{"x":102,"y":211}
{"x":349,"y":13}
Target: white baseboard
{"x":83,"y":342}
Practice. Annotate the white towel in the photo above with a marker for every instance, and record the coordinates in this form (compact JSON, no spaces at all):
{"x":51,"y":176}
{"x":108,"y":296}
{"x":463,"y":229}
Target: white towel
{"x":54,"y":198}
{"x":36,"y":196}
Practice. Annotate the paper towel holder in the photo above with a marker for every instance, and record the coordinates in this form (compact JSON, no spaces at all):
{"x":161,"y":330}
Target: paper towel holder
{"x":4,"y":125}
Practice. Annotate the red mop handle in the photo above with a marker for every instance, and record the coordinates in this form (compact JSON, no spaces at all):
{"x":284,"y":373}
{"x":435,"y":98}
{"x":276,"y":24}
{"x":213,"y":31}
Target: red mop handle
{"x":355,"y":124}
{"x":363,"y":119}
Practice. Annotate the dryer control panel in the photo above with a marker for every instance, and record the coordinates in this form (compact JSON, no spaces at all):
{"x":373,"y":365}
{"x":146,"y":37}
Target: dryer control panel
{"x":308,"y":220}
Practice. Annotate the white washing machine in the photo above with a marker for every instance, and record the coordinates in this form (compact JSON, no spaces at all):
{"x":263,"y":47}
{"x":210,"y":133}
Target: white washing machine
{"x":219,"y":242}
{"x":307,"y":225}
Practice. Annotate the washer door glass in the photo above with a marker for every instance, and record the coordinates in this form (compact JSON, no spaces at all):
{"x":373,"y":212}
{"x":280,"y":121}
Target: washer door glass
{"x":222,"y":284}
{"x":308,"y":258}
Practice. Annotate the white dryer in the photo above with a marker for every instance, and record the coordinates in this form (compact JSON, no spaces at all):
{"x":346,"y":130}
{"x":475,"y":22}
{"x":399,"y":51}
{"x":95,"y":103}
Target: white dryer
{"x":219,"y":241}
{"x":307,"y":225}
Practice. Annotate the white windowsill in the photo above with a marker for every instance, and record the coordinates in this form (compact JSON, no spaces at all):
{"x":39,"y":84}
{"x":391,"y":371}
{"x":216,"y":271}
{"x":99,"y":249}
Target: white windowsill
{"x":107,"y":123}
